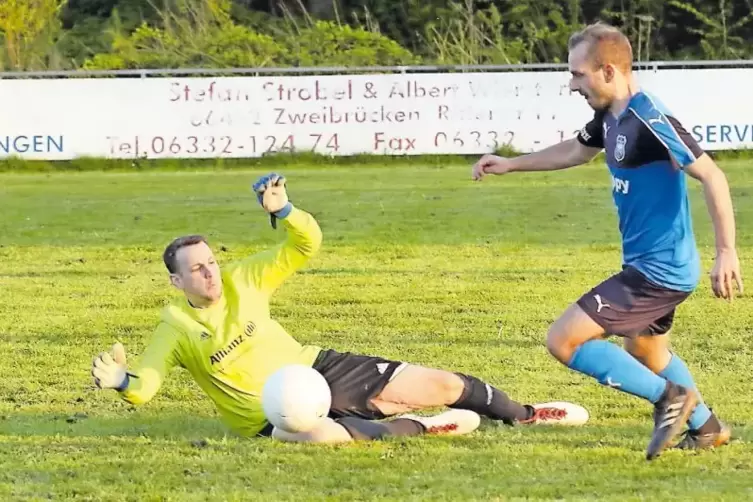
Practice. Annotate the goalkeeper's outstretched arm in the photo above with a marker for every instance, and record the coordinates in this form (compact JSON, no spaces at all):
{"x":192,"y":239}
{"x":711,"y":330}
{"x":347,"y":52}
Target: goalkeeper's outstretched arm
{"x":269,"y":269}
{"x":139,"y":385}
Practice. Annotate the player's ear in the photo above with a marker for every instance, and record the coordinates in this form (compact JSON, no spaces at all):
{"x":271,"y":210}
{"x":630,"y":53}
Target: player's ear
{"x":176,"y":281}
{"x":609,"y":71}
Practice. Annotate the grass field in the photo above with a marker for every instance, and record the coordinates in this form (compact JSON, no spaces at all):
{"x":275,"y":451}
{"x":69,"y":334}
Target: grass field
{"x":419,"y":264}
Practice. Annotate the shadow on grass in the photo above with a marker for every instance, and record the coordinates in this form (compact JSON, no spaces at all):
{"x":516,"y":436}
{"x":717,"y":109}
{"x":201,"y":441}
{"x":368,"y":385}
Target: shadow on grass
{"x":185,"y":427}
{"x":50,"y":274}
{"x":165,"y":426}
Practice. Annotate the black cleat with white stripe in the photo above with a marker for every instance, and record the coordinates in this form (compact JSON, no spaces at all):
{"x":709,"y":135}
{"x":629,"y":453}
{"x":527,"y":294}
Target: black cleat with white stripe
{"x":670,"y":414}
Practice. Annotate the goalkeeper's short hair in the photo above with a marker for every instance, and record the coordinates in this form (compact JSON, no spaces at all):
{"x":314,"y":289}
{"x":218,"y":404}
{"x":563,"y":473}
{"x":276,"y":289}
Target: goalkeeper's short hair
{"x":171,"y":250}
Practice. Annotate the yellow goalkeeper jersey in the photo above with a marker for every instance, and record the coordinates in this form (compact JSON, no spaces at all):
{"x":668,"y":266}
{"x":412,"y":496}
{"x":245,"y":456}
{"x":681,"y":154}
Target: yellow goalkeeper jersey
{"x":232,"y":347}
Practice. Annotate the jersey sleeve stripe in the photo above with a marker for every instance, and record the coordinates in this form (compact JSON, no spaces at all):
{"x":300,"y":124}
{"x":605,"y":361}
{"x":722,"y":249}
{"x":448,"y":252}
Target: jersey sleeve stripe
{"x":670,"y":139}
{"x":671,"y":129}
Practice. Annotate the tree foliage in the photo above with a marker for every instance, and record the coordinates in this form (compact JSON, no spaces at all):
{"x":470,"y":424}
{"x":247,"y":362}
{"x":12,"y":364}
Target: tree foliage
{"x":196,"y":34}
{"x":221,"y":33}
{"x":203,"y":35}
{"x":28,"y":28}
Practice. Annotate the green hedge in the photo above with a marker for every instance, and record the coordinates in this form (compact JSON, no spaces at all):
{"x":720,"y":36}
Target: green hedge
{"x":213,"y":40}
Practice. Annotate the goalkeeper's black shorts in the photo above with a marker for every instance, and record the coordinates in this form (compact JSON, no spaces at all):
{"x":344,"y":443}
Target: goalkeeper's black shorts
{"x":355,"y":380}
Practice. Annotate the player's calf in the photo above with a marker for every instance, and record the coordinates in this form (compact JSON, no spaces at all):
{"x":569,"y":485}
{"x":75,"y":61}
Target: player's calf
{"x":453,"y":423}
{"x":489,"y":401}
{"x":608,"y":363}
{"x":329,"y":431}
{"x":653,"y":351}
{"x":346,"y":429}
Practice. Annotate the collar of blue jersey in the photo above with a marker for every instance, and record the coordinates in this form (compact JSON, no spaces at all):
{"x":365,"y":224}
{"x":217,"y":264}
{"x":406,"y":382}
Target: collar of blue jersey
{"x":629,"y":104}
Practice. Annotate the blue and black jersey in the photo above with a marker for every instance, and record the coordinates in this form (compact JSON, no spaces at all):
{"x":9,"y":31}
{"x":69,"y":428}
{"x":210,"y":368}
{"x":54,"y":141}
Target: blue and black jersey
{"x":647,"y":150}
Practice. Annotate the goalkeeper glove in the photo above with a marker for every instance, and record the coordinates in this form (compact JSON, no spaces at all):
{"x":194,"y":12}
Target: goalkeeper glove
{"x":109,"y":371}
{"x":272,"y":195}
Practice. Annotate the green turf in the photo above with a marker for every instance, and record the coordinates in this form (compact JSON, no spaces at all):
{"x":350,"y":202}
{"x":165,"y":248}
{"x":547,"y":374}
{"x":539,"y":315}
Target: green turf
{"x":418,"y":264}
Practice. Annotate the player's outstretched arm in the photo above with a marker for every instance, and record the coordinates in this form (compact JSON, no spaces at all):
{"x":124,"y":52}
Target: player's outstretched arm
{"x":562,"y":155}
{"x":719,"y":203}
{"x":110,"y":371}
{"x":269,"y":269}
{"x":570,"y":153}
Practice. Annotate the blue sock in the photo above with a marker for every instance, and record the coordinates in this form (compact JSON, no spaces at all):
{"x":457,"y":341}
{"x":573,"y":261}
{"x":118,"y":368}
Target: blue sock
{"x":613,"y":366}
{"x":677,"y":372}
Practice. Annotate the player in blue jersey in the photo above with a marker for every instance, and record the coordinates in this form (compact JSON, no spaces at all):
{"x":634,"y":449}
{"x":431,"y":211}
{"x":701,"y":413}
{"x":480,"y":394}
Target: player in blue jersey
{"x":649,"y":154}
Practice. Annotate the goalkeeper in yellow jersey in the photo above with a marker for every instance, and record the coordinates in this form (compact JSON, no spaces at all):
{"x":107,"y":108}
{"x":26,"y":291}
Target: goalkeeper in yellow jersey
{"x":222,"y":332}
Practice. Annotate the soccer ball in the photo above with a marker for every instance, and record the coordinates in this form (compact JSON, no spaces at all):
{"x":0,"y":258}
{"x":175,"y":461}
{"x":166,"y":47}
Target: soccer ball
{"x":296,"y":398}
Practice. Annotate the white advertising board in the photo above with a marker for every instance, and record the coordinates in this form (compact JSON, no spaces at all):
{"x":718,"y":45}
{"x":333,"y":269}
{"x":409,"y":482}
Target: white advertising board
{"x":390,"y":114}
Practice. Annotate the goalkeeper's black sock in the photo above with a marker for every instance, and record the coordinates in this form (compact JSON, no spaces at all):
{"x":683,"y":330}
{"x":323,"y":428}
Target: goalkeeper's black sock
{"x":362,"y":429}
{"x":489,"y":401}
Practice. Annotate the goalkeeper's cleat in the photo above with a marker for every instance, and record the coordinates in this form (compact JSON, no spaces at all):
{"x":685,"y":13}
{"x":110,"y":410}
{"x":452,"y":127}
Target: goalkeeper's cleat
{"x":670,"y":413}
{"x":695,"y":440}
{"x":454,"y":422}
{"x":556,"y":413}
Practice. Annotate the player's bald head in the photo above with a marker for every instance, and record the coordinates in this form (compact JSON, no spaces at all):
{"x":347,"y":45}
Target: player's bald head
{"x":605,"y":45}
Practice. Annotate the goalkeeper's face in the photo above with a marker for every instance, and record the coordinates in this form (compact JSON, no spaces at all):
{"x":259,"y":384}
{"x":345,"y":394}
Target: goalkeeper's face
{"x":198,"y":274}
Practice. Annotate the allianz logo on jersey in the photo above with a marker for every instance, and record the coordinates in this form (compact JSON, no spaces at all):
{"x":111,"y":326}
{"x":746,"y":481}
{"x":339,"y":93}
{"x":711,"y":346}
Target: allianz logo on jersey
{"x":620,"y":186}
{"x":235,"y":342}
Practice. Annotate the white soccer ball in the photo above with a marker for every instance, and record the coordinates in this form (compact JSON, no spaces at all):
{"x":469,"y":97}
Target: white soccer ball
{"x":296,"y":398}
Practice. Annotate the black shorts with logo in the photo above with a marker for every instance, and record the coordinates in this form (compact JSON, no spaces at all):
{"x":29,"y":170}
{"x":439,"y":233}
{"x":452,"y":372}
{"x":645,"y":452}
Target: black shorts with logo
{"x":628,"y":304}
{"x":355,"y":380}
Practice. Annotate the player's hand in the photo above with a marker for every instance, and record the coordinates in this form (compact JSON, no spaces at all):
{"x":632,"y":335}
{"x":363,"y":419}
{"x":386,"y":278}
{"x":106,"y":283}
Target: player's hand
{"x":726,"y":270}
{"x":109,"y":370}
{"x":490,"y":164}
{"x":272,"y":195}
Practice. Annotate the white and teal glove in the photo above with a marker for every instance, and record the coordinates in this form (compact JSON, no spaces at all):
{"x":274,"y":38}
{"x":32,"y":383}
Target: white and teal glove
{"x":272,"y":195}
{"x":110,"y":371}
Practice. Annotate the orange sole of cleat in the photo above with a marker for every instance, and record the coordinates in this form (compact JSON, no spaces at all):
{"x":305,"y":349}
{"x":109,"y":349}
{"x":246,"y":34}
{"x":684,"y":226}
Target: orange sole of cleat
{"x":442,"y":429}
{"x":723,"y":438}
